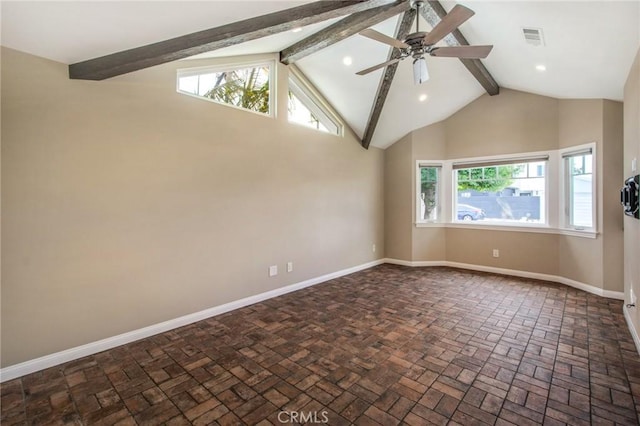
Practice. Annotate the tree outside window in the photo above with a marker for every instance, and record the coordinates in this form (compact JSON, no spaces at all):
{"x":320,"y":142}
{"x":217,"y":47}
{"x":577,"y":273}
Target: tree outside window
{"x":429,"y":193}
{"x":246,"y":88}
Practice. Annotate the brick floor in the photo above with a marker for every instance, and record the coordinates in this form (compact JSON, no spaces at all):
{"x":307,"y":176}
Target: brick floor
{"x":389,"y":345}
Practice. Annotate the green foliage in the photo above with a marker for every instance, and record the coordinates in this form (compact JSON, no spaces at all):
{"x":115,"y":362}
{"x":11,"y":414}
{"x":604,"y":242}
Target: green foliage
{"x":245,"y":88}
{"x":487,"y":179}
{"x":428,"y":174}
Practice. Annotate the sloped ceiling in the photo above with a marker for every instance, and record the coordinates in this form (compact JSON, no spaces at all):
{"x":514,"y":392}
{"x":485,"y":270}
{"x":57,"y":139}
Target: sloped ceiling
{"x":588,"y":52}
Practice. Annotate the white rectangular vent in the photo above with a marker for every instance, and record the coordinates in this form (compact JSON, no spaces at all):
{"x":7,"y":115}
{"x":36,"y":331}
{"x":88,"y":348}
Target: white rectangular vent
{"x":533,"y":36}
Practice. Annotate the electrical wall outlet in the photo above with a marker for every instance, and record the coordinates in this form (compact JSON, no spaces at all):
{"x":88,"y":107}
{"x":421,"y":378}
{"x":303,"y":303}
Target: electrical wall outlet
{"x":633,"y":297}
{"x":496,"y":253}
{"x":289,"y":266}
{"x":634,"y":164}
{"x":373,"y":248}
{"x":273,"y":270}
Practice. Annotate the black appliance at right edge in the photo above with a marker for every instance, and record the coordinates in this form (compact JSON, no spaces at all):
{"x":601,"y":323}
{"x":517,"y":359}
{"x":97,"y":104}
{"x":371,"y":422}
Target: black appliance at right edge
{"x":629,"y":196}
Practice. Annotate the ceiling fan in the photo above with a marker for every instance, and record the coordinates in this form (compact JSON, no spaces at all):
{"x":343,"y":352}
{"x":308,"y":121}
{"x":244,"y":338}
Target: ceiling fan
{"x":417,"y":44}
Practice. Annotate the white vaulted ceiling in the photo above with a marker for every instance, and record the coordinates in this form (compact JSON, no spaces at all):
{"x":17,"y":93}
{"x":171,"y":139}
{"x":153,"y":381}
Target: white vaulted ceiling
{"x":588,"y":53}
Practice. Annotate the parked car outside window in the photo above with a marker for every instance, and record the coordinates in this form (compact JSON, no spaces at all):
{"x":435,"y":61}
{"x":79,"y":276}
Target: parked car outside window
{"x":467,"y":212}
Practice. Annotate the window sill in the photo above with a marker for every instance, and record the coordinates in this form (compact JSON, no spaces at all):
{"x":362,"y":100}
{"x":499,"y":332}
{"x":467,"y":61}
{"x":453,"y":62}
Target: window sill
{"x":578,"y":233}
{"x":511,"y":228}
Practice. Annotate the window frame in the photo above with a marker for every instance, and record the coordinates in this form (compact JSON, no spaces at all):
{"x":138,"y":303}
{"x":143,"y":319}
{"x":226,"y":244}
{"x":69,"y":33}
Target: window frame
{"x":440,"y":193}
{"x":233,"y":66}
{"x":555,"y":193}
{"x":311,"y":99}
{"x":497,"y":160}
{"x":565,"y":182}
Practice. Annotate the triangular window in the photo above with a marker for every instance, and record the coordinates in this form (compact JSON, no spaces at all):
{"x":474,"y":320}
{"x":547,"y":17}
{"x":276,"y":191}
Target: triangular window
{"x":245,"y":87}
{"x":306,"y":108}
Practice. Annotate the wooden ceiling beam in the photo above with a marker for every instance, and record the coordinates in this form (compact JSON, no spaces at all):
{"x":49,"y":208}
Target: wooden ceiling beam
{"x":432,"y":11}
{"x":387,"y":78}
{"x":340,"y":30}
{"x":216,"y":38}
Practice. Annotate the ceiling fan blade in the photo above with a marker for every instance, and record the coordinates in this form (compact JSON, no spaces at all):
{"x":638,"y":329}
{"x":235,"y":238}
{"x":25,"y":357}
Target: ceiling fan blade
{"x":376,"y":67}
{"x":458,"y":15}
{"x":375,"y":35}
{"x":467,"y":52}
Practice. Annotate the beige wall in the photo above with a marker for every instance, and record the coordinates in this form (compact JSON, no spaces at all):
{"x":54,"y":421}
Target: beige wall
{"x":631,"y":225}
{"x":126,"y":204}
{"x":398,"y":198}
{"x":511,"y":122}
{"x":580,"y":121}
{"x":429,"y":142}
{"x":612,"y":178}
{"x":520,"y":251}
{"x":516,"y":122}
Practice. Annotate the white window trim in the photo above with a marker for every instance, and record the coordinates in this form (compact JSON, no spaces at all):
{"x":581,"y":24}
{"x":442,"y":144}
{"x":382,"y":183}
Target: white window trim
{"x":512,"y":158}
{"x":554,"y":203}
{"x":439,"y":192}
{"x":563,"y":212}
{"x":318,"y":105}
{"x":232,"y":66}
{"x":510,"y":228}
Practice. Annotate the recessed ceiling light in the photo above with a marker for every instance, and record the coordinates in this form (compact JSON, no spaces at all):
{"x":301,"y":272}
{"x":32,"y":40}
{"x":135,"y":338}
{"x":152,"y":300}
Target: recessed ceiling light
{"x":422,"y":97}
{"x":541,"y":67}
{"x":296,"y":30}
{"x":347,"y":60}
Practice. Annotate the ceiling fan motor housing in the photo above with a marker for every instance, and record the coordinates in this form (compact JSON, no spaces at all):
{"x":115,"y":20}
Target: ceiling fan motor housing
{"x":416,"y":48}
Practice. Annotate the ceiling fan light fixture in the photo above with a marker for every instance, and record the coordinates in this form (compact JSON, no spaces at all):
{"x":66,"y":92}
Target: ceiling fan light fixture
{"x":420,"y":72}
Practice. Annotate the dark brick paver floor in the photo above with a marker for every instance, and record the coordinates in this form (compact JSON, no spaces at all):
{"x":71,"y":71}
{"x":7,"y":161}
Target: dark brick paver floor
{"x":389,"y":345}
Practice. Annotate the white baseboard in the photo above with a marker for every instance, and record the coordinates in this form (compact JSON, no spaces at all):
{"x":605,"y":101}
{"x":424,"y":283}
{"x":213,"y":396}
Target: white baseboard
{"x":47,"y":361}
{"x":513,"y":272}
{"x":416,"y":263}
{"x":632,"y":328}
{"x":619,"y":295}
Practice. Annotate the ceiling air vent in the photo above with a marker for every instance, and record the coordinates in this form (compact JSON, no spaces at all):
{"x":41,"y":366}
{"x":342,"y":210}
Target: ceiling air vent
{"x":533,"y":36}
